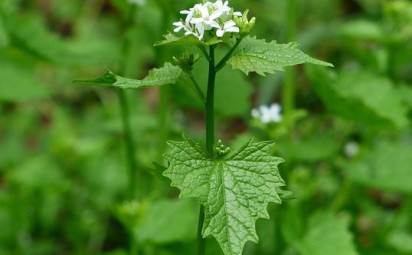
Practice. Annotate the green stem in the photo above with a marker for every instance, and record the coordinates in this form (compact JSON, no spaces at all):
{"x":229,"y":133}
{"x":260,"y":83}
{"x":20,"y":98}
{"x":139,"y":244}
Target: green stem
{"x":125,"y":111}
{"x":222,"y":62}
{"x":129,"y":142}
{"x":200,"y":240}
{"x":134,"y":174}
{"x":197,"y":88}
{"x":289,"y":86}
{"x":210,"y":104}
{"x":203,"y":50}
{"x":210,"y":135}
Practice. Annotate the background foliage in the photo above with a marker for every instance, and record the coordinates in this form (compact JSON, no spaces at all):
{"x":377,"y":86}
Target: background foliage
{"x":347,"y":140}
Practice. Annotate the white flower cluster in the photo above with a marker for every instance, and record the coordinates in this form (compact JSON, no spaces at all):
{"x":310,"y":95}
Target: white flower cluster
{"x":209,"y":16}
{"x":268,"y":114}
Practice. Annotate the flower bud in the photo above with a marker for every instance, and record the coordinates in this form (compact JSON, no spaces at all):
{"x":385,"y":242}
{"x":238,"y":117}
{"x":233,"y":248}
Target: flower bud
{"x":186,"y":61}
{"x":246,"y":25}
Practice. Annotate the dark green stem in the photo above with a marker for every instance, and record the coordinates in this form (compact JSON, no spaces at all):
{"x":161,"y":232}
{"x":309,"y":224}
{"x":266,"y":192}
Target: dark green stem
{"x":222,"y":62}
{"x":197,"y":88}
{"x":210,"y":135}
{"x":200,"y":240}
{"x":125,"y":111}
{"x":203,"y":50}
{"x":134,"y":174}
{"x":129,"y":142}
{"x":210,"y":104}
{"x":289,"y":86}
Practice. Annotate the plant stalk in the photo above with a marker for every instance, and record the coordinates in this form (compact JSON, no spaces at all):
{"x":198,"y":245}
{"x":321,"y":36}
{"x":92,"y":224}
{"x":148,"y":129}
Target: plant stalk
{"x":210,"y":104}
{"x":129,"y":142}
{"x":200,"y":240}
{"x":222,"y":62}
{"x":289,"y":86}
{"x":130,"y":147}
{"x":210,"y":135}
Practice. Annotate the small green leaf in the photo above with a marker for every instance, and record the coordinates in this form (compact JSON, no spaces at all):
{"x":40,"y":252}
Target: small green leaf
{"x":168,"y":74}
{"x":235,"y":190}
{"x":254,"y":55}
{"x":327,"y":235}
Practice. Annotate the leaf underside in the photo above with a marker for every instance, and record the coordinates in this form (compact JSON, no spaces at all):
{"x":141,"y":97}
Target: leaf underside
{"x":254,"y":55}
{"x":234,"y":191}
{"x":168,"y":74}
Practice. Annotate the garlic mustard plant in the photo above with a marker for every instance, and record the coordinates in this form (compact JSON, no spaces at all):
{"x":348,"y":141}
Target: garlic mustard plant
{"x":233,"y":187}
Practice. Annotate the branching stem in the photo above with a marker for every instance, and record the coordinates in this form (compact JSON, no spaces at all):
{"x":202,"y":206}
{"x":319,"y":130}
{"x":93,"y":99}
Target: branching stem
{"x":197,"y":88}
{"x":224,"y":60}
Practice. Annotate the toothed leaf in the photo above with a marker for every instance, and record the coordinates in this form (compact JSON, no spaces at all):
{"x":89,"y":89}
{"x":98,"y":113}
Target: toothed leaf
{"x":168,"y":74}
{"x":254,"y":55}
{"x":235,"y":191}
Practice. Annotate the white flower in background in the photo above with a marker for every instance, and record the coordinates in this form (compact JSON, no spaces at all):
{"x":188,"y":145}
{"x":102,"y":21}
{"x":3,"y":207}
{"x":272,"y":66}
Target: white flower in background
{"x":216,"y":17}
{"x":268,"y":114}
{"x":351,"y":149}
{"x":137,"y":2}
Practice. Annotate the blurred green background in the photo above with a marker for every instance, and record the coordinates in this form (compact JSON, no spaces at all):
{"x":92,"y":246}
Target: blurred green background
{"x":347,"y":140}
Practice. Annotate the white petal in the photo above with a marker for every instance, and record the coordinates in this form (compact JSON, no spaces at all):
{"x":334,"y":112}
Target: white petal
{"x":185,"y":12}
{"x":220,"y":32}
{"x":233,"y":30}
{"x":213,"y":24}
{"x":196,"y":20}
{"x":204,"y":11}
{"x":229,"y":24}
{"x":239,"y":14}
{"x":216,"y":15}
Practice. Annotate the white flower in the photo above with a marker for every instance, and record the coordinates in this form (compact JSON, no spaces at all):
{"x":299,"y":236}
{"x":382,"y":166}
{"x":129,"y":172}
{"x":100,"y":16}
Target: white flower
{"x":229,"y":26}
{"x":222,"y":8}
{"x":137,"y":2}
{"x":351,"y":149}
{"x":216,"y":17}
{"x":268,"y":114}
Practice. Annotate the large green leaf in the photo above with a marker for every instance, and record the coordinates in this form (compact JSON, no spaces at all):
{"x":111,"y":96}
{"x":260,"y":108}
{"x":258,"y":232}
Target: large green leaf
{"x":386,"y":166}
{"x":30,"y":34}
{"x":327,"y":235}
{"x":234,"y":190}
{"x":176,"y":219}
{"x":168,"y":74}
{"x":18,"y":83}
{"x":361,"y":96}
{"x":262,"y":57}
